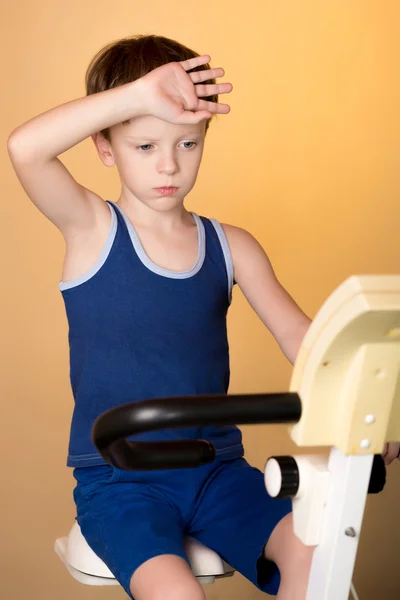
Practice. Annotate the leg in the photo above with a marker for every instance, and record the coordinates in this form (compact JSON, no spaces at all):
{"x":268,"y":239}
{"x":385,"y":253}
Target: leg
{"x":293,"y":559}
{"x":137,"y":530}
{"x":235,"y":516}
{"x":165,"y":577}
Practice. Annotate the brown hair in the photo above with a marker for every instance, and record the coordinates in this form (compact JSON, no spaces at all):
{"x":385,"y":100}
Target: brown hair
{"x":133,"y":57}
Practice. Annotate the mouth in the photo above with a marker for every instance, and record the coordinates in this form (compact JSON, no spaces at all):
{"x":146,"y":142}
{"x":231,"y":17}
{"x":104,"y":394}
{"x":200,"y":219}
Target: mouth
{"x":167,"y":190}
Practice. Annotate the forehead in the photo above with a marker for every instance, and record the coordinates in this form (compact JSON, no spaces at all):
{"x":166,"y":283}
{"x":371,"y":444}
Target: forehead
{"x":150,"y":127}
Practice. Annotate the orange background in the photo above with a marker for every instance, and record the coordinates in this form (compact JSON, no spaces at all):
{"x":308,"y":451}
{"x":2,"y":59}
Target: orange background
{"x":308,"y":161}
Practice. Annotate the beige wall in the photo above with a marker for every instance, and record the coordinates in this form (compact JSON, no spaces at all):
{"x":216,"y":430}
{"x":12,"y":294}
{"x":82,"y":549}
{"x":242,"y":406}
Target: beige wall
{"x":308,"y":161}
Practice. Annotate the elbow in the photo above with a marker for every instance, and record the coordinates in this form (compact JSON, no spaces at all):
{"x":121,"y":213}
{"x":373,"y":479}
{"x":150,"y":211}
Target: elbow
{"x":291,"y":342}
{"x":18,"y":147}
{"x":14,"y":144}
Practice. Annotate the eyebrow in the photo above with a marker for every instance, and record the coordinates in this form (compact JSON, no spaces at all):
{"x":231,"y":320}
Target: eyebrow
{"x":150,"y":139}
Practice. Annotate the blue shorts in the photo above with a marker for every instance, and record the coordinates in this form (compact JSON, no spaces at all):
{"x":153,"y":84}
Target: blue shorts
{"x":128,"y":517}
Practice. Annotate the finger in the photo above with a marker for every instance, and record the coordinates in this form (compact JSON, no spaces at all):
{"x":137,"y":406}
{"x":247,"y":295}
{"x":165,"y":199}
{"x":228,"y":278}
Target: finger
{"x":191,"y":63}
{"x":212,"y":89}
{"x":206,"y":74}
{"x":214,"y":107}
{"x":391,"y":454}
{"x":189,"y":117}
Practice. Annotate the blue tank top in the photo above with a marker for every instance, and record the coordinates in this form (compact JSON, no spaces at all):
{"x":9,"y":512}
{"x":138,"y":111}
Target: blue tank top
{"x":138,"y":331}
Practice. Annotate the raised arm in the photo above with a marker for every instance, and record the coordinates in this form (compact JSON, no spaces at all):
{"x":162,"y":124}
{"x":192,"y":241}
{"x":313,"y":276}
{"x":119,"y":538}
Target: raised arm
{"x":34,"y":148}
{"x":168,"y":92}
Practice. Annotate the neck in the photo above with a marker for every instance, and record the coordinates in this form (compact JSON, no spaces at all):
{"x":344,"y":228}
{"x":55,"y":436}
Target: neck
{"x":144,"y":216}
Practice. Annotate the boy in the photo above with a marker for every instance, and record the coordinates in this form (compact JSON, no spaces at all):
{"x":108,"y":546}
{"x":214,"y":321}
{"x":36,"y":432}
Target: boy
{"x":147,"y":286}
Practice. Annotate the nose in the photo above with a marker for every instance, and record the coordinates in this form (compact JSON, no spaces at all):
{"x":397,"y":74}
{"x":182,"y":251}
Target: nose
{"x":167,"y":163}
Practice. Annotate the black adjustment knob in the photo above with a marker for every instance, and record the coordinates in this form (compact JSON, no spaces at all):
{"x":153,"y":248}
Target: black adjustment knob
{"x":282,"y":478}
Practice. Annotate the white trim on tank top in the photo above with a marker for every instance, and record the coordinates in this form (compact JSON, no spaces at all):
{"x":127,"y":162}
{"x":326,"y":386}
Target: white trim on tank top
{"x":144,"y":258}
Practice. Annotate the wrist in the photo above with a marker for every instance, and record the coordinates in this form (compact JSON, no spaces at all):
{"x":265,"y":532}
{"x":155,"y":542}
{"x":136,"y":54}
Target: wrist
{"x":138,"y":99}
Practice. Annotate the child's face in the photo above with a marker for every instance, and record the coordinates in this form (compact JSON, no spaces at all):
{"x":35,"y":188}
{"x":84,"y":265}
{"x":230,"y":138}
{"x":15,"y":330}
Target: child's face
{"x":151,"y":153}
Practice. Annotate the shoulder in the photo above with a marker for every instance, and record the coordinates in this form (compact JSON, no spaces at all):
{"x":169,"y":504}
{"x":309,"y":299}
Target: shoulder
{"x":241,"y":242}
{"x":235,"y":235}
{"x":248,"y":256}
{"x":244,"y":247}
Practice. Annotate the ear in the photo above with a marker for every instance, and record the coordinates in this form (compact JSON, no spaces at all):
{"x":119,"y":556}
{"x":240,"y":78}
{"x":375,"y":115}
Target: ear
{"x":104,"y":149}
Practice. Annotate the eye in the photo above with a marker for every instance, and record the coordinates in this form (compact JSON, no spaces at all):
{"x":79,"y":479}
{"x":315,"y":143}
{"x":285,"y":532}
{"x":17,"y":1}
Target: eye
{"x":147,"y":147}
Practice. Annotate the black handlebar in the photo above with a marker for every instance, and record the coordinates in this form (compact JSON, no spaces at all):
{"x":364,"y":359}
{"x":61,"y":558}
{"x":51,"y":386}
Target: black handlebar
{"x":113,"y":426}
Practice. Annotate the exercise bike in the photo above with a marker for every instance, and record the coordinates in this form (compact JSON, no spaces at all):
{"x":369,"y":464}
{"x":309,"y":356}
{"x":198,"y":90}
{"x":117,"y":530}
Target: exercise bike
{"x":344,"y":394}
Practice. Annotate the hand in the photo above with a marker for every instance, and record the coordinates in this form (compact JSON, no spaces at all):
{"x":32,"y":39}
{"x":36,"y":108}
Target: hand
{"x":391,"y":452}
{"x":173,"y":95}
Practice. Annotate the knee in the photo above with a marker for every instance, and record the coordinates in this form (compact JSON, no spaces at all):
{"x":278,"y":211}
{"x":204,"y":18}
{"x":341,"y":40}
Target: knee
{"x":165,"y":577}
{"x":287,"y":550}
{"x":179,"y":591}
{"x":293,"y":559}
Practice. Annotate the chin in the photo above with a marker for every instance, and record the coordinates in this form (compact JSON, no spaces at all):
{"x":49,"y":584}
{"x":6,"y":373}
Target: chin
{"x":167,"y":206}
{"x":166,"y":203}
